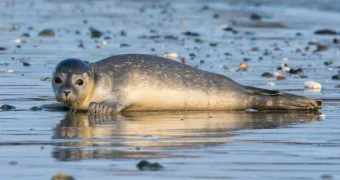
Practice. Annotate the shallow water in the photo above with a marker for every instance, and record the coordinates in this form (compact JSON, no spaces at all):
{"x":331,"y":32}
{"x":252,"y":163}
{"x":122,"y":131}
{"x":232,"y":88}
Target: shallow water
{"x":190,"y":145}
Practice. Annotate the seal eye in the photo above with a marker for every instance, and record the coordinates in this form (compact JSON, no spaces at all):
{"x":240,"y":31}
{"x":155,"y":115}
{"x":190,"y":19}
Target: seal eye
{"x":80,"y":82}
{"x":57,"y":80}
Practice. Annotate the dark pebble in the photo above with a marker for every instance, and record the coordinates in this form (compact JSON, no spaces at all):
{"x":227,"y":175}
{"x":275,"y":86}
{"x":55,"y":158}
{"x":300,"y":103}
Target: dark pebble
{"x":7,"y":107}
{"x":227,"y":54}
{"x":107,"y":37}
{"x":327,"y":63}
{"x":95,"y":33}
{"x":267,"y":75}
{"x":199,"y":40}
{"x":62,"y":176}
{"x":298,"y":34}
{"x":171,"y":37}
{"x":213,"y":44}
{"x":26,"y":64}
{"x":3,"y":48}
{"x":295,"y":71}
{"x":47,"y":33}
{"x":25,"y":35}
{"x":146,"y":166}
{"x":325,"y":32}
{"x":124,"y":45}
{"x":255,"y":17}
{"x":337,"y":86}
{"x":35,"y":108}
{"x":216,"y":16}
{"x":336,"y":77}
{"x":202,"y":61}
{"x":336,"y":41}
{"x":122,"y":33}
{"x":321,"y":47}
{"x":230,"y":29}
{"x":18,"y":46}
{"x":189,"y":33}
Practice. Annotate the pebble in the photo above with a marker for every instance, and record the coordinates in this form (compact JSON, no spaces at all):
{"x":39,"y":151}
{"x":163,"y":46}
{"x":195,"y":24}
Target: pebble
{"x":336,"y":41}
{"x":189,"y":33}
{"x":295,"y":71}
{"x":325,"y":32}
{"x":255,"y":17}
{"x":280,"y":77}
{"x":95,"y":33}
{"x":326,"y":176}
{"x":124,"y":45}
{"x":35,"y":108}
{"x":145,"y":165}
{"x":7,"y":107}
{"x":13,"y":163}
{"x":122,"y":33}
{"x":184,"y":60}
{"x":336,"y":77}
{"x":25,"y":35}
{"x":312,"y":85}
{"x":62,"y":176}
{"x":267,"y":75}
{"x":270,"y":84}
{"x":47,"y":33}
{"x":337,"y":86}
{"x":321,"y":47}
{"x":3,"y":48}
{"x":26,"y":64}
{"x":171,"y":55}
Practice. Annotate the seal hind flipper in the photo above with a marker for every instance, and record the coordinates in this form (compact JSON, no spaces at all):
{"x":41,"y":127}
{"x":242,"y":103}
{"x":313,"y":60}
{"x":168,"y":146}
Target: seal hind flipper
{"x":265,"y":92}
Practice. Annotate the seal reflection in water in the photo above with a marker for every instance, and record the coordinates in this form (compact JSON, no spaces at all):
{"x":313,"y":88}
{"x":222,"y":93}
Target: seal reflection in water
{"x":117,"y":136}
{"x":135,"y":82}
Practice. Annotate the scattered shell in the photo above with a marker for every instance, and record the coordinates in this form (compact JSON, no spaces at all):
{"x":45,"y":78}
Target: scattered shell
{"x":276,"y":74}
{"x":321,"y":116}
{"x":16,"y":41}
{"x":9,"y":71}
{"x":104,"y":43}
{"x":312,"y":85}
{"x":47,"y":32}
{"x":243,"y":67}
{"x":270,"y":84}
{"x":228,"y":68}
{"x":171,"y":55}
{"x":285,"y":59}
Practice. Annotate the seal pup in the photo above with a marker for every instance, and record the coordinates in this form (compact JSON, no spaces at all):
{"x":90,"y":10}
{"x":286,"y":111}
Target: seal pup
{"x":136,"y":82}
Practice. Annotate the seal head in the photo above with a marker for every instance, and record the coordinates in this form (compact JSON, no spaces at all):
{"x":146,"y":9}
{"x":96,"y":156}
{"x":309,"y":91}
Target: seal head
{"x":72,"y":82}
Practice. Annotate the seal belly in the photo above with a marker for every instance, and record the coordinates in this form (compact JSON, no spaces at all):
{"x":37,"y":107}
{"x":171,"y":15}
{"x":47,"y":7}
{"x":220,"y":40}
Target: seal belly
{"x":156,"y":99}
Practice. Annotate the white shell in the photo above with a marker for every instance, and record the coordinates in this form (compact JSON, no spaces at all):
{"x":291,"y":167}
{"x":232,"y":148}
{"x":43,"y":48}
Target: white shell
{"x":312,"y":85}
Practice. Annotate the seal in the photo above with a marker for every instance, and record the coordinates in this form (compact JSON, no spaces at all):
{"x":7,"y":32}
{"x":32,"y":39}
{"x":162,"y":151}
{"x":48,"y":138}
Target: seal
{"x":136,"y":82}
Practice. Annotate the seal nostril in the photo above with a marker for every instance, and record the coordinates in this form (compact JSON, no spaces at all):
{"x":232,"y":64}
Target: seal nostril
{"x":66,"y":93}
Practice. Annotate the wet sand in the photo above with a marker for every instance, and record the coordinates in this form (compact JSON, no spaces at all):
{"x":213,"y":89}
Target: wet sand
{"x":190,"y":145}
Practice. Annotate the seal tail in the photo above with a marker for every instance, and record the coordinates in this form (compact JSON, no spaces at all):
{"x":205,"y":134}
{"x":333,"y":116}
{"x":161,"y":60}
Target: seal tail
{"x":262,"y":99}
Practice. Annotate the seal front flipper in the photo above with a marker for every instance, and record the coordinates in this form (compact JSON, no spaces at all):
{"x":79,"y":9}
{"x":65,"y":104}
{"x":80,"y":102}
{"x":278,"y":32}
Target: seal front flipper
{"x":104,"y":108}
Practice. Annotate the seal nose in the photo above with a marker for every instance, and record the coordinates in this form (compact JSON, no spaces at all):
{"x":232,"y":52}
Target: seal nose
{"x":66,"y":93}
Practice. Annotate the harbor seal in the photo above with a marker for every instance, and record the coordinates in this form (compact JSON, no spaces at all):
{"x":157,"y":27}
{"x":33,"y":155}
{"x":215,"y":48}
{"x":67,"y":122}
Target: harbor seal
{"x":136,"y":82}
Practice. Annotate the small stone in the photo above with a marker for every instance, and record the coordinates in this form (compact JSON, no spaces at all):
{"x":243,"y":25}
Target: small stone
{"x":184,"y":60}
{"x":227,"y":54}
{"x":13,"y":163}
{"x":189,"y":33}
{"x":47,"y":33}
{"x":255,"y":49}
{"x":326,"y":176}
{"x":124,"y":45}
{"x":95,"y":33}
{"x":42,"y":147}
{"x":201,"y":61}
{"x":199,"y":40}
{"x":62,"y":176}
{"x":35,"y":108}
{"x":147,"y":166}
{"x":7,"y":107}
{"x":3,"y":48}
{"x":325,"y":32}
{"x":26,"y":64}
{"x":328,"y":63}
{"x":213,"y":44}
{"x":336,"y":41}
{"x":267,"y":75}
{"x":336,"y":77}
{"x":255,"y":17}
{"x":216,"y":16}
{"x":280,"y":77}
{"x":337,"y":86}
{"x":295,"y":71}
{"x":137,"y":148}
{"x":321,"y":47}
{"x":122,"y":33}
